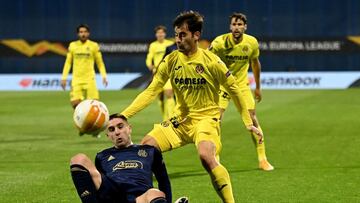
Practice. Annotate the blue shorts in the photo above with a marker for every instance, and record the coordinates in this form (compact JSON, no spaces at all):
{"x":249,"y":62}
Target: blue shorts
{"x":111,"y":192}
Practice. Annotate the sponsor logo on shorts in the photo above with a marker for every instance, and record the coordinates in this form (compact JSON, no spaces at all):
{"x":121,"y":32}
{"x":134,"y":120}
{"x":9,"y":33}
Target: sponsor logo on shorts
{"x":225,"y":95}
{"x":128,"y":164}
{"x":142,"y":153}
{"x":165,"y":124}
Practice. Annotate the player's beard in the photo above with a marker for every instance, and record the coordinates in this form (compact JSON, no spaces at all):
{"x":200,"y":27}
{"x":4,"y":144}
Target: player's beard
{"x":83,"y":38}
{"x":237,"y":34}
{"x":181,"y":47}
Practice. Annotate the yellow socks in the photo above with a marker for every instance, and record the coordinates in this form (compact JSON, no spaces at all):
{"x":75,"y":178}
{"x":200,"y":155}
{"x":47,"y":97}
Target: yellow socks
{"x":221,"y":181}
{"x":260,"y":148}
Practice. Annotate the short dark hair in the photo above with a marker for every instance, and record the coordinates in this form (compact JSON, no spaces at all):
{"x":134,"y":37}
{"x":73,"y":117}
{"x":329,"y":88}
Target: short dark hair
{"x":160,"y":27}
{"x":237,"y":16}
{"x":193,"y":19}
{"x":117,"y":115}
{"x":82,"y":26}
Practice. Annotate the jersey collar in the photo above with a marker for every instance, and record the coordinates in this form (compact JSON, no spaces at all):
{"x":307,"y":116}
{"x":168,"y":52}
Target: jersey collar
{"x":189,"y":58}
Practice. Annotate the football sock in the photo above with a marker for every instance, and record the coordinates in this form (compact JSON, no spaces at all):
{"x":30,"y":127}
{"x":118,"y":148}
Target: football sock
{"x":260,"y":148}
{"x":221,"y":181}
{"x":159,"y":200}
{"x":169,"y":105}
{"x":84,"y":184}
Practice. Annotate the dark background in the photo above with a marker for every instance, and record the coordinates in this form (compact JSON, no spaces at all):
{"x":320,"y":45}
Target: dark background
{"x":113,"y":20}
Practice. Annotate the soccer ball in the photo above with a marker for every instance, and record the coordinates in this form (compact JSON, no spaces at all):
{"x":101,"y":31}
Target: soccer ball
{"x":91,"y":117}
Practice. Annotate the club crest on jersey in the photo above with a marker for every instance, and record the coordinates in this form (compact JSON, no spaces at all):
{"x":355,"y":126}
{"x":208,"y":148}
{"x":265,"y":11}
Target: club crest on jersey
{"x":245,"y":49}
{"x":199,"y":69}
{"x":142,"y":153}
{"x":128,"y":164}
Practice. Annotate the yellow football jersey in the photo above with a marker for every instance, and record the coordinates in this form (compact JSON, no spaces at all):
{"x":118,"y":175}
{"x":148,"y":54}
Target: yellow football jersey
{"x":156,"y":52}
{"x":196,"y":81}
{"x":236,"y":56}
{"x":81,"y":57}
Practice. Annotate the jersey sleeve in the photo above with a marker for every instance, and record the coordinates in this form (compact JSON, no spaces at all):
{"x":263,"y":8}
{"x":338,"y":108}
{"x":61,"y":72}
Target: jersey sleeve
{"x":215,"y":46}
{"x":98,"y":164}
{"x":255,"y":47}
{"x":227,"y":80}
{"x":68,"y":63}
{"x":149,"y":94}
{"x":99,"y":61}
{"x":159,"y":170}
{"x":150,"y":56}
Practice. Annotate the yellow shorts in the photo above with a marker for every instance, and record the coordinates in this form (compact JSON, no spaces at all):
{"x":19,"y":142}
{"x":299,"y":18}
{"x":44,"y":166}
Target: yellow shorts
{"x":245,"y":93}
{"x":171,"y":135}
{"x":83,"y":91}
{"x":167,"y":86}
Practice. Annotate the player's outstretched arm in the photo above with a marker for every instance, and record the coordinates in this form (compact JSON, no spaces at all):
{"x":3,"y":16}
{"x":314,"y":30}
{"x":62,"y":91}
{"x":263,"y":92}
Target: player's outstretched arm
{"x":256,"y":69}
{"x":240,"y":104}
{"x":100,"y":64}
{"x":159,"y":170}
{"x":66,"y":68}
{"x":228,"y":81}
{"x":149,"y":58}
{"x":149,"y":94}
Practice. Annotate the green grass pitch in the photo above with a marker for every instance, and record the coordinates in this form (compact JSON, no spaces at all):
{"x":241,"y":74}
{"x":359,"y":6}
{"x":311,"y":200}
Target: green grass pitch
{"x":312,"y":139}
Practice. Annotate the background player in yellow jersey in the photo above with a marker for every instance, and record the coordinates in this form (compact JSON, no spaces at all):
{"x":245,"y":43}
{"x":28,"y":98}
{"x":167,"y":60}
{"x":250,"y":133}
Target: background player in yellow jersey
{"x":238,"y":50}
{"x":196,"y":75}
{"x":155,"y":55}
{"x":81,"y":57}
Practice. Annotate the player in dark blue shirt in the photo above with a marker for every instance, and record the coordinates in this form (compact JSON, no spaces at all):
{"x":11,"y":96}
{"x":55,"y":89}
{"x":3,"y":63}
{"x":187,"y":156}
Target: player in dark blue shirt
{"x":122,"y":173}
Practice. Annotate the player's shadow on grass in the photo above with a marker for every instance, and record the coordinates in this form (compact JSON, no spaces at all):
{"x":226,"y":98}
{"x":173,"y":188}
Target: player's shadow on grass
{"x":202,"y":172}
{"x":183,"y":174}
{"x":94,"y":141}
{"x":317,"y":167}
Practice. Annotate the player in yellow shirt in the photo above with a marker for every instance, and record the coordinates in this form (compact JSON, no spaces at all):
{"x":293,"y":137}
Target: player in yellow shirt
{"x":81,"y":57}
{"x":238,"y":50}
{"x":155,"y":55}
{"x":196,"y":75}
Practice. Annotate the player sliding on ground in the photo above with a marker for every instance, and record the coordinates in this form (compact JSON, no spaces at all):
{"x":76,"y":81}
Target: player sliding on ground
{"x":238,"y":50}
{"x":196,"y":75}
{"x":122,"y":173}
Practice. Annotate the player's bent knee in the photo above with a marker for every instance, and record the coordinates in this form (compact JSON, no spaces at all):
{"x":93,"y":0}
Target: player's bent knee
{"x":156,"y":196}
{"x":158,"y":200}
{"x":153,"y":192}
{"x":206,"y":151}
{"x":152,"y":195}
{"x":80,"y":159}
{"x":148,"y":140}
